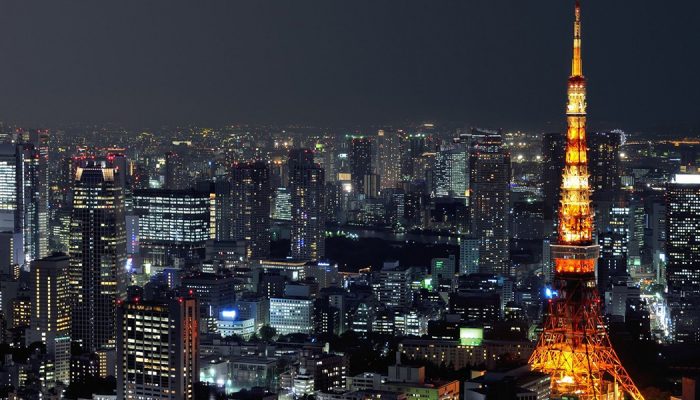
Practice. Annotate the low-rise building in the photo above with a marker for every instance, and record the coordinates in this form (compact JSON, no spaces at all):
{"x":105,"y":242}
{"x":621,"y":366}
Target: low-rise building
{"x":291,"y":315}
{"x":459,"y":354}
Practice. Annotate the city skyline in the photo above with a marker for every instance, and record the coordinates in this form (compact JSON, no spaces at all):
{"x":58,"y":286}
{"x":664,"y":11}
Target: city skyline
{"x":425,"y":259}
{"x":343,"y":64}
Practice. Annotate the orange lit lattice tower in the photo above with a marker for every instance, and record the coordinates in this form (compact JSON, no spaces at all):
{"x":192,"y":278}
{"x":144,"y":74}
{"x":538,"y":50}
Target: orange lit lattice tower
{"x":574,"y":347}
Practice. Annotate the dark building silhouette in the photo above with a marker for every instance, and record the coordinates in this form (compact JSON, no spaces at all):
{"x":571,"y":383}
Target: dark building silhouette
{"x":306,"y":182}
{"x":174,"y":171}
{"x":489,"y":200}
{"x":604,"y":163}
{"x":250,"y":194}
{"x":360,"y":162}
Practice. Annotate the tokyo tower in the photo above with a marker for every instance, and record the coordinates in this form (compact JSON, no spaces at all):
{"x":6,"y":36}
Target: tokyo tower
{"x":574,"y":348}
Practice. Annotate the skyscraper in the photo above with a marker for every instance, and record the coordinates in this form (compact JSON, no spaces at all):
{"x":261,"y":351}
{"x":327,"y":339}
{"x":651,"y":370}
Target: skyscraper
{"x":613,"y":239}
{"x":574,"y":348}
{"x":612,"y":263}
{"x":251,"y":195}
{"x":220,"y":208}
{"x":451,"y":172}
{"x":23,"y":201}
{"x":604,"y":163}
{"x":360,"y":161}
{"x":158,"y":349}
{"x":172,"y":224}
{"x":683,"y":256}
{"x":174,"y":171}
{"x":468,"y":256}
{"x":306,"y":181}
{"x":283,"y":205}
{"x":51,"y":312}
{"x":39,"y":141}
{"x":98,"y":253}
{"x":414,"y":146}
{"x":388,"y":158}
{"x":489,"y":201}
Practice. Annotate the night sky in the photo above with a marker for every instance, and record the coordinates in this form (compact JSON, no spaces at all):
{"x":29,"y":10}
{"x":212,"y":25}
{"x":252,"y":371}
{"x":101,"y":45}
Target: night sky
{"x":492,"y":63}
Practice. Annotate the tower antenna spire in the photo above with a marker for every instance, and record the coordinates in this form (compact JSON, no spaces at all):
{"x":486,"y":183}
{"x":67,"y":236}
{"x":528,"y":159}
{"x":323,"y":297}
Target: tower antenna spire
{"x":576,"y":65}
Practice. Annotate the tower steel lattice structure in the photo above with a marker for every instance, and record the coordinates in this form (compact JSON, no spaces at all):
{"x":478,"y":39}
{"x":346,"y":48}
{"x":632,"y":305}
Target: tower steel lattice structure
{"x":575,"y":348}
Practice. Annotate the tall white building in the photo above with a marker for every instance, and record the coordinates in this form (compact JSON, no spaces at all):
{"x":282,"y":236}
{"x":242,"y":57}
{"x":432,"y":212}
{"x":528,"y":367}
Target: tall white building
{"x":683,"y":255}
{"x":451,"y":172}
{"x":23,"y":201}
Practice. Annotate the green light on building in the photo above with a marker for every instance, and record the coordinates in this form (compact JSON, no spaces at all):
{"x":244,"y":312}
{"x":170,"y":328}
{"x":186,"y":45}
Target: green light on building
{"x":471,"y":336}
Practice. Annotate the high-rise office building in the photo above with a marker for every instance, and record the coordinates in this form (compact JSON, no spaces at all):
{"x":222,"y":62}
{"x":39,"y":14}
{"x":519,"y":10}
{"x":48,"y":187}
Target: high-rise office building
{"x":413,"y":148}
{"x":604,"y":149}
{"x":612,"y":207}
{"x":214,"y":293}
{"x":174,"y":175}
{"x":38,"y":140}
{"x":251,"y":208}
{"x":527,"y":220}
{"x":489,"y":198}
{"x":98,"y":253}
{"x":360,"y":162}
{"x":450,"y":174}
{"x":282,"y":209}
{"x":657,"y":239}
{"x":683,"y":256}
{"x":371,"y":184}
{"x":388,"y":158}
{"x":172,"y":224}
{"x":220,"y":208}
{"x":158,"y":349}
{"x":306,"y":181}
{"x":23,"y":200}
{"x":51,"y":313}
{"x":468,"y":256}
{"x":292,"y":315}
{"x":612,"y":261}
{"x":636,"y":226}
{"x":392,"y":287}
{"x":613,"y":226}
{"x":121,"y":164}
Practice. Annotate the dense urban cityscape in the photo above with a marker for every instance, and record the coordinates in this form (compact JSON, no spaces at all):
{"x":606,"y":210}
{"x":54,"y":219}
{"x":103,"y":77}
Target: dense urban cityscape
{"x":430,"y":260}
